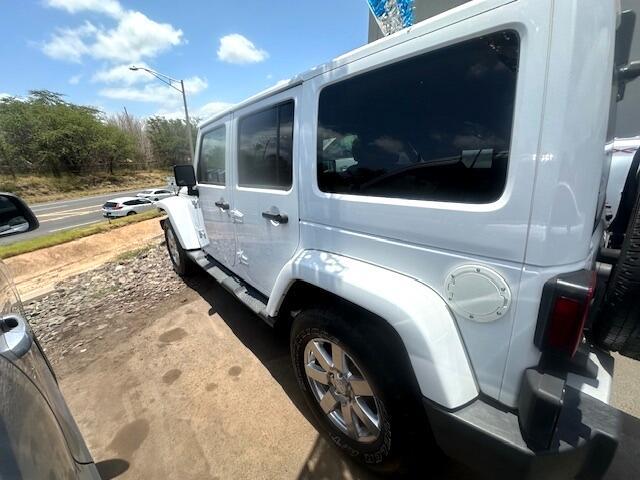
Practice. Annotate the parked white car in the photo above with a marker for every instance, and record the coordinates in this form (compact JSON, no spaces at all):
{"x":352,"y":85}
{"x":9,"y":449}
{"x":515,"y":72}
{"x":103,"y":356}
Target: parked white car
{"x":424,"y":216}
{"x":155,"y":194}
{"x":124,"y":206}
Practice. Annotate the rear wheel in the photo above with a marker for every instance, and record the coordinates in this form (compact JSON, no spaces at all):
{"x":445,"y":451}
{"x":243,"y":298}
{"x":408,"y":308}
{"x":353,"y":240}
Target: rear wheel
{"x":359,"y":391}
{"x":130,"y":213}
{"x":182,"y":264}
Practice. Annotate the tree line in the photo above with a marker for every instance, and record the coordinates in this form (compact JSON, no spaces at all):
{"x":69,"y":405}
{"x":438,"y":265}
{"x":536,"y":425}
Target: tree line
{"x":45,"y":134}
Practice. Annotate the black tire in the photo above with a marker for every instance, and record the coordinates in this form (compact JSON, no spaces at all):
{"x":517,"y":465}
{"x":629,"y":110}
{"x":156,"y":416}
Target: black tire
{"x":403,"y":426}
{"x":618,"y":325}
{"x":182,"y":264}
{"x":131,"y":213}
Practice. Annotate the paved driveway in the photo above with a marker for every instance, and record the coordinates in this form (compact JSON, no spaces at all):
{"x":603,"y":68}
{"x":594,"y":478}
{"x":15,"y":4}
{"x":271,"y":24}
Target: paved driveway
{"x":197,"y":387}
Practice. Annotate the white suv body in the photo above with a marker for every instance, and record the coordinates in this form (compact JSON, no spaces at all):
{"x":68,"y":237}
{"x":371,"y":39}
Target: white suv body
{"x":456,"y":265}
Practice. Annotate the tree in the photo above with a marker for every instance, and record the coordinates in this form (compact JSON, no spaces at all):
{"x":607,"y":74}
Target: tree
{"x":136,"y":129}
{"x":168,"y":140}
{"x":46,"y":134}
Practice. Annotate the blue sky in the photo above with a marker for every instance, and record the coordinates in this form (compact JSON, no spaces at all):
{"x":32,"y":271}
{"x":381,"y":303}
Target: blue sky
{"x":226,"y":51}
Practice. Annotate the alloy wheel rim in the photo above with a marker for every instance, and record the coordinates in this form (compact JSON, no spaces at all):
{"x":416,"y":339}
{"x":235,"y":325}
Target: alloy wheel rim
{"x":173,"y":247}
{"x":342,"y":391}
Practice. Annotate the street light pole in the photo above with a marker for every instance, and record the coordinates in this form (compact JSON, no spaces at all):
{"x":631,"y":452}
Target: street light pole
{"x":171,"y":81}
{"x":186,"y":114}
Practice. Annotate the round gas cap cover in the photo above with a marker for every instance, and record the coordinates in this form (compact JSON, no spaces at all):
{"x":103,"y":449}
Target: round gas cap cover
{"x":477,"y":293}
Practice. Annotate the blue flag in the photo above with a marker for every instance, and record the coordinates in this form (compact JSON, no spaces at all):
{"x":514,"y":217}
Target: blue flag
{"x":392,"y":15}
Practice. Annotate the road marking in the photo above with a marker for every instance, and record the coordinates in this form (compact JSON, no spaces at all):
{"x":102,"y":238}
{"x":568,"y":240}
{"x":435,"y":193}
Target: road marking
{"x":69,"y":215}
{"x":36,"y":209}
{"x":74,"y":226}
{"x":126,"y":193}
{"x":64,"y":212}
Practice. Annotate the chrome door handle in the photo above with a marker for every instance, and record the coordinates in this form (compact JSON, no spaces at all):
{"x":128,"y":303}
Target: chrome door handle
{"x":16,"y":334}
{"x":276,"y":217}
{"x":221,"y":204}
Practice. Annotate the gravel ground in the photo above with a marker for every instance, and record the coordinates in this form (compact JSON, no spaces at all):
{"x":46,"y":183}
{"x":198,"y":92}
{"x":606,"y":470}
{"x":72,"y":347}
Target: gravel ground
{"x":82,"y":308}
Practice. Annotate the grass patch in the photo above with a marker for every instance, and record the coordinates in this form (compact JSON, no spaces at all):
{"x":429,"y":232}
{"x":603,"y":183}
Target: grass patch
{"x":44,"y":188}
{"x":65,"y":236}
{"x":131,"y":254}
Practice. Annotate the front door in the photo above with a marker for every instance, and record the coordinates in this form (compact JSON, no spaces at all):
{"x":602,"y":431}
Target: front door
{"x":214,"y":189}
{"x":265,"y":207}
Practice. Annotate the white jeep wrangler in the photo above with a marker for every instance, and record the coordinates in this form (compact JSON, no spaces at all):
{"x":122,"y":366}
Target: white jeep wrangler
{"x":425,"y":216}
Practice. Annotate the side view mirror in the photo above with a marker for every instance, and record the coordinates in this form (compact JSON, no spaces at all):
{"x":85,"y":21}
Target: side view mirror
{"x":185,"y":176}
{"x":15,"y":216}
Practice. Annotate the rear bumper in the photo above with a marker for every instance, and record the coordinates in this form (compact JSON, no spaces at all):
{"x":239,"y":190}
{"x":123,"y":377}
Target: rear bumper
{"x":112,"y":214}
{"x":582,"y":440}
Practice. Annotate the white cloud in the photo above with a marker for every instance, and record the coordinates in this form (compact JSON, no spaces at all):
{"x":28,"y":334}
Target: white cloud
{"x":155,"y":92}
{"x":68,"y":43}
{"x":203,"y":112}
{"x":212,"y":108}
{"x":236,"y":48}
{"x":75,"y":79}
{"x":122,"y":74}
{"x":108,"y":7}
{"x":169,"y":114}
{"x":5,"y":95}
{"x":135,"y":37}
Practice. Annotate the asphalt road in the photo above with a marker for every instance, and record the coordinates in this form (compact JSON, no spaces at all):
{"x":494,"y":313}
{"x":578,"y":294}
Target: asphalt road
{"x":64,"y":214}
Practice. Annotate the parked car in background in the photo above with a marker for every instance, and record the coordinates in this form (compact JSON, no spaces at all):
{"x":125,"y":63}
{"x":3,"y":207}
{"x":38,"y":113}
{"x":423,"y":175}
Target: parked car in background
{"x":424,"y":217}
{"x":124,"y":206}
{"x":38,"y":436}
{"x":155,"y":194}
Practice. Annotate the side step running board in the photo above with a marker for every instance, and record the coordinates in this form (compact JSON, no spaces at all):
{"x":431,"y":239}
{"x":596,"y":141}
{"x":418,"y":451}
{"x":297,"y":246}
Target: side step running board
{"x":245,"y":293}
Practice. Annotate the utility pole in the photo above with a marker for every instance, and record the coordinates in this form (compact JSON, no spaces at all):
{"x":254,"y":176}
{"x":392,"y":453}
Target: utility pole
{"x":171,"y":81}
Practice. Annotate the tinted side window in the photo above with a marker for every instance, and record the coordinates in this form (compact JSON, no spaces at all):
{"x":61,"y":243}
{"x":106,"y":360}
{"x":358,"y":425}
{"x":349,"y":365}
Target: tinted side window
{"x":265,"y":148}
{"x":211,"y":166}
{"x":434,"y":127}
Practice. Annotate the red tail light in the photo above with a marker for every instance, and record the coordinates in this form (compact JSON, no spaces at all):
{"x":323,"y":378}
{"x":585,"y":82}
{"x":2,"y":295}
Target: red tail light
{"x":564,"y":309}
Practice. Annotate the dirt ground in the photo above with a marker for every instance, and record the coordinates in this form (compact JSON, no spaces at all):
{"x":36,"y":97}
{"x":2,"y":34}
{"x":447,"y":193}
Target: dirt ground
{"x":199,"y":388}
{"x":36,"y":273}
{"x":188,"y":384}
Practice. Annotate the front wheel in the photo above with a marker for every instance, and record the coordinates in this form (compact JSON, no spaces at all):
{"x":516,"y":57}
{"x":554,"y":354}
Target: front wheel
{"x":181,"y":262}
{"x":358,"y":388}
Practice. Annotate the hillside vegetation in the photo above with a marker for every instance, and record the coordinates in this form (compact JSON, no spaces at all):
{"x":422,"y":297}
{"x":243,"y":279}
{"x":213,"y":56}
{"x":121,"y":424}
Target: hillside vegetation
{"x":51,"y":148}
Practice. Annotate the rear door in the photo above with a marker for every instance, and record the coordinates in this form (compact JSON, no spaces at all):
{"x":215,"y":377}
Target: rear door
{"x":143,"y":204}
{"x":265,"y":207}
{"x":214,"y":187}
{"x":38,"y":436}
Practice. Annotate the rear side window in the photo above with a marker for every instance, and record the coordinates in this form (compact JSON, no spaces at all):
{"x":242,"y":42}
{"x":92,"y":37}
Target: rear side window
{"x":434,"y":127}
{"x":211,"y":166}
{"x":110,"y":204}
{"x":265,"y":148}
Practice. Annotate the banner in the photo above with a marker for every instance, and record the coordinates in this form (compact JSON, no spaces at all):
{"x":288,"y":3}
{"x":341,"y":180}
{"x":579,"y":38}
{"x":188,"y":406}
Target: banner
{"x":392,"y":15}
